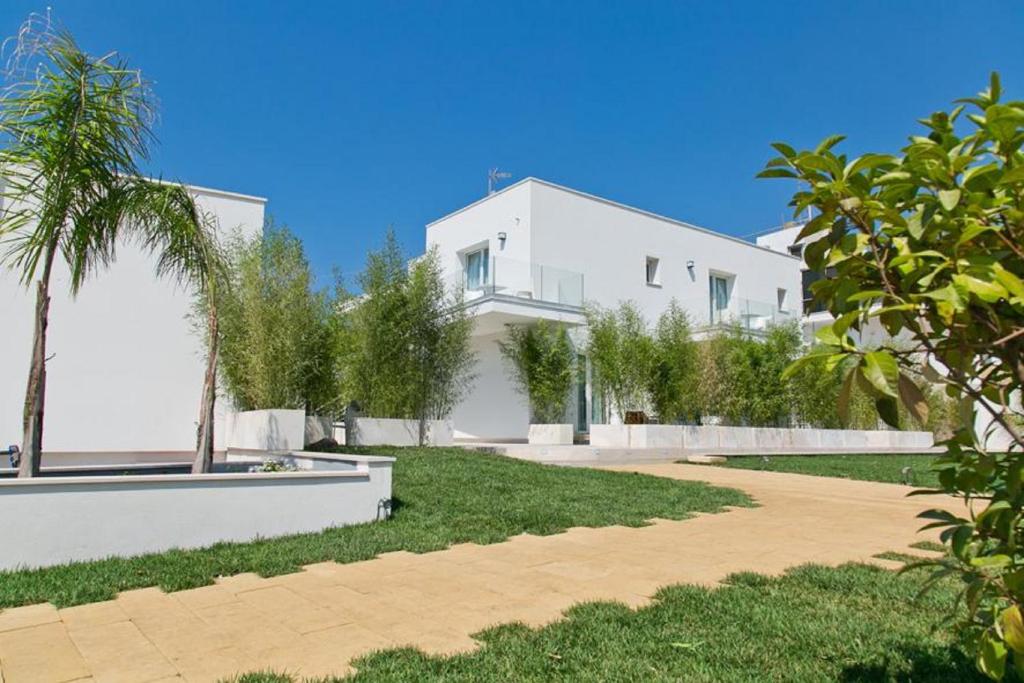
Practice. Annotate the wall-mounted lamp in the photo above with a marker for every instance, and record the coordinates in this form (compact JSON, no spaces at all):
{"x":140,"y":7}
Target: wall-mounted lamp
{"x":502,"y":236}
{"x":689,"y":264}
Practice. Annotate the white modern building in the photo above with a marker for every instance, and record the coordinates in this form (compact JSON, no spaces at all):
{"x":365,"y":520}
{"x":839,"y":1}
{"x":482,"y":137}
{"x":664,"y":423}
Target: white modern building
{"x":125,"y":368}
{"x":540,"y":251}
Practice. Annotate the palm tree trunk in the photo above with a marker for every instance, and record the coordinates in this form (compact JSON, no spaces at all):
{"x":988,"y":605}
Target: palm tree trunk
{"x":204,"y":444}
{"x":35,"y":392}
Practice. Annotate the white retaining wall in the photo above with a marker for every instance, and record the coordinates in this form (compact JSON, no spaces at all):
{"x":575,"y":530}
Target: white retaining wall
{"x":754,"y":439}
{"x":550,"y":434}
{"x":267,"y":430}
{"x":65,"y":519}
{"x":377,"y":431}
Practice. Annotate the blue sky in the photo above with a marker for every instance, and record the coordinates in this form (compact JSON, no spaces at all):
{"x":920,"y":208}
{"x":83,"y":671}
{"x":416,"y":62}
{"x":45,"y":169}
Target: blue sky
{"x":354,"y":116}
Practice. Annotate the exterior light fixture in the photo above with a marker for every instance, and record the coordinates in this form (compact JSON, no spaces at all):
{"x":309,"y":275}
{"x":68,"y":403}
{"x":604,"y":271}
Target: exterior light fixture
{"x":689,"y":264}
{"x":502,"y":236}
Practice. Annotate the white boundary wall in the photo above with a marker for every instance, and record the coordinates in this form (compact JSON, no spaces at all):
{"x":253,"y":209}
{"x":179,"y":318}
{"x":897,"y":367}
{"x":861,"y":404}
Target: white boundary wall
{"x":378,"y":431}
{"x":66,"y":519}
{"x":550,"y":434}
{"x":755,"y":439}
{"x":267,"y":430}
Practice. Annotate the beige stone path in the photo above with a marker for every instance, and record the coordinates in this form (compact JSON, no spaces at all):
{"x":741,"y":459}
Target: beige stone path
{"x":313,"y":622}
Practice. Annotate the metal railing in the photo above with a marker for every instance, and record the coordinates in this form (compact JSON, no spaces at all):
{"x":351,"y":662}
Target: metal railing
{"x":746,"y":314}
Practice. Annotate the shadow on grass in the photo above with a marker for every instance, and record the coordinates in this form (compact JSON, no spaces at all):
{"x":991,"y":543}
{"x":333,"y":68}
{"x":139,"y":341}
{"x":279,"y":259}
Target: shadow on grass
{"x":935,"y":665}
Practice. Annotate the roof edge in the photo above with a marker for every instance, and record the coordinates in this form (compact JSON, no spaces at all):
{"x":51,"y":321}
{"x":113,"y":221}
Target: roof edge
{"x":618,"y":205}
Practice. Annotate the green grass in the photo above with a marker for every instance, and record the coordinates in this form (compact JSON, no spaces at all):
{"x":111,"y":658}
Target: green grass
{"x":850,"y":623}
{"x":867,"y":467}
{"x":442,"y":497}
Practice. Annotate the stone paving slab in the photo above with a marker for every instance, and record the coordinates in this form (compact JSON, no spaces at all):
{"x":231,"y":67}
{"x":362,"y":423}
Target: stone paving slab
{"x":314,"y":622}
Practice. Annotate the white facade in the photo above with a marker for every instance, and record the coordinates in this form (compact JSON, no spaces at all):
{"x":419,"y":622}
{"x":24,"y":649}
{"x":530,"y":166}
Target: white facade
{"x":550,"y":249}
{"x":126,"y":368}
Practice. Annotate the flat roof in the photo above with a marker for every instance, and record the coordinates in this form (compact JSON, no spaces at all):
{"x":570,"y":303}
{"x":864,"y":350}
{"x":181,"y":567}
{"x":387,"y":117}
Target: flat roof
{"x":618,"y":205}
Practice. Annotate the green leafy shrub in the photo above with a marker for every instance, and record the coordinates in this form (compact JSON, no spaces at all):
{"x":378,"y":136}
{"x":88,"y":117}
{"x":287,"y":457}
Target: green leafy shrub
{"x":622,"y":354}
{"x":930,"y":244}
{"x":403,"y":346}
{"x":674,"y":368}
{"x":276,"y":349}
{"x":541,"y":360}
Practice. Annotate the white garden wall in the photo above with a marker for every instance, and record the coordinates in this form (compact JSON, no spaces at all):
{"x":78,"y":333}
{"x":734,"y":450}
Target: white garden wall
{"x":550,"y":434}
{"x":377,"y":431}
{"x":267,"y":430}
{"x":755,"y":439}
{"x":66,"y":519}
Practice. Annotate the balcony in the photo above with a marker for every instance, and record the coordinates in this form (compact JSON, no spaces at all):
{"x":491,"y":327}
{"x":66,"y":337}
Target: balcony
{"x":507,"y":278}
{"x":747,"y":315}
{"x":502,"y":291}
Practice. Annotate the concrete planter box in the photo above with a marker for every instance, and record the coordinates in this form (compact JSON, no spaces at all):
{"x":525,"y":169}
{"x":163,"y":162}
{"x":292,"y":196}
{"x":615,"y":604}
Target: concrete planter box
{"x":551,"y":434}
{"x":317,"y":429}
{"x":636,"y":436}
{"x":267,"y":430}
{"x":68,"y":519}
{"x":376,"y":431}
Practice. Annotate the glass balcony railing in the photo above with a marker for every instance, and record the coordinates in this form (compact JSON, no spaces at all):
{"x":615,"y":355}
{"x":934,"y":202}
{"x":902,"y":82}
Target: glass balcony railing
{"x":504,"y":277}
{"x":746,"y":314}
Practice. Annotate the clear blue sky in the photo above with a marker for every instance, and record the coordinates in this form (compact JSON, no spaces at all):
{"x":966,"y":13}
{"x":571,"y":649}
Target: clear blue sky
{"x":353,"y":116}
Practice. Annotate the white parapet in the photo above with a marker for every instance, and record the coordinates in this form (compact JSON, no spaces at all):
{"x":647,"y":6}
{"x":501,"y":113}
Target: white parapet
{"x":550,"y":434}
{"x":68,"y":519}
{"x":636,"y":436}
{"x":267,"y":430}
{"x":377,"y":431}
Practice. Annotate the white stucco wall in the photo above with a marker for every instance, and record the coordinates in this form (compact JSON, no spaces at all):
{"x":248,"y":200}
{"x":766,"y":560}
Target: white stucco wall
{"x":492,"y":409}
{"x":610,"y":243}
{"x":127,"y":369}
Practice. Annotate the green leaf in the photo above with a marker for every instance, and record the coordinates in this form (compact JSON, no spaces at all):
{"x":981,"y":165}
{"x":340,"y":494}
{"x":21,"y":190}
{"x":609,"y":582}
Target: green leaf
{"x":913,"y":399}
{"x":949,"y":199}
{"x":1012,"y":176}
{"x":993,"y":508}
{"x":992,"y":656}
{"x":989,"y":292}
{"x":828,"y":143}
{"x":784,"y":149}
{"x":992,"y":561}
{"x":777,"y":173}
{"x":1012,"y":626}
{"x":881,"y":370}
{"x":886,"y":407}
{"x":843,"y":400}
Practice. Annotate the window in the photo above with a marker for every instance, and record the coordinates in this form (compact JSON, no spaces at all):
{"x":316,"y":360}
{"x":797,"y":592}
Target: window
{"x":781,"y":295}
{"x":719,"y":298}
{"x":477,"y":268}
{"x":653,"y":271}
{"x":796,"y":250}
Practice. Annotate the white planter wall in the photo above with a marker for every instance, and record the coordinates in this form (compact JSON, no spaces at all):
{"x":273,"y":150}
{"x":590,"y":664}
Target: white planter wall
{"x":550,"y":434}
{"x":754,"y":439}
{"x":267,"y":430}
{"x":377,"y":431}
{"x":317,"y":429}
{"x":65,"y":519}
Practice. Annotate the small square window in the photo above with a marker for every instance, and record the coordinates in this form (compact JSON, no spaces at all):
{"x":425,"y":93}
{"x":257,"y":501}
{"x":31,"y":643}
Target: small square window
{"x":653,"y":271}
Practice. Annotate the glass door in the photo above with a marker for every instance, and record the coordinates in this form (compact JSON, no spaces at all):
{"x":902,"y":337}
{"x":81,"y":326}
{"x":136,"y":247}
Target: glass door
{"x":719,"y":298}
{"x":477,"y":265}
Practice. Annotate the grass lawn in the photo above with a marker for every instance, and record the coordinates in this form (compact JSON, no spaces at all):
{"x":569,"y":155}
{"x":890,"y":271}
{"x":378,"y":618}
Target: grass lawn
{"x":851,"y":623}
{"x":868,"y":467}
{"x":442,"y":496}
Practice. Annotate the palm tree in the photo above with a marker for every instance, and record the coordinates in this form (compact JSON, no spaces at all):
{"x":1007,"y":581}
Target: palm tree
{"x":72,"y":128}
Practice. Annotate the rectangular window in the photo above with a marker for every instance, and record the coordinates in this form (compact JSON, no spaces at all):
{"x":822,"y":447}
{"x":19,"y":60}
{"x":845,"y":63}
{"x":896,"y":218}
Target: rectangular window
{"x":719,"y":298}
{"x":477,"y":268}
{"x":653,"y":271}
{"x":781,"y":295}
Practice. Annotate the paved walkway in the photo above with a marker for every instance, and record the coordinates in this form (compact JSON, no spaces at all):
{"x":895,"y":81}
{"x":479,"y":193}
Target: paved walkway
{"x":315,"y":621}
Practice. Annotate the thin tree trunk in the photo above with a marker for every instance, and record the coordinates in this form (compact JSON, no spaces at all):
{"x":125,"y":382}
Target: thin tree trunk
{"x":35,"y":392}
{"x":204,"y":434}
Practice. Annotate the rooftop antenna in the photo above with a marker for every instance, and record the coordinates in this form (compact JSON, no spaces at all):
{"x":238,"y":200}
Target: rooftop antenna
{"x":493,"y":177}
